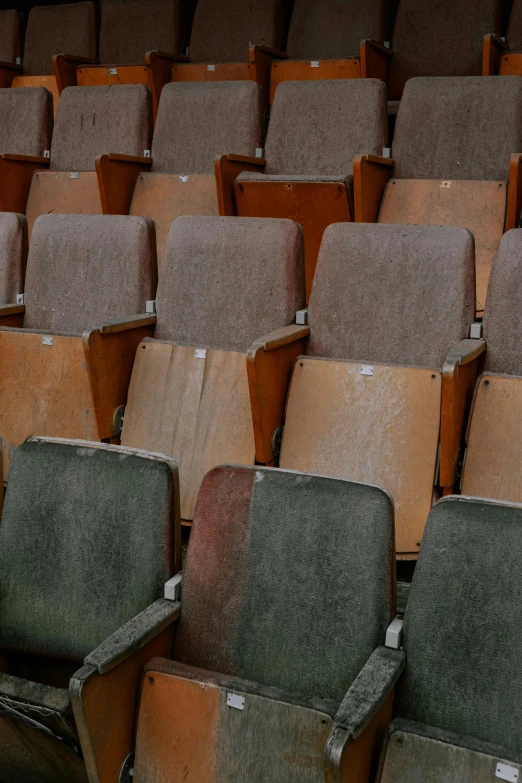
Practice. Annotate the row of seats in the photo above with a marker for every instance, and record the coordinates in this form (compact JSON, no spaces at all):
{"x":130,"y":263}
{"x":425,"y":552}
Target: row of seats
{"x":281,"y":662}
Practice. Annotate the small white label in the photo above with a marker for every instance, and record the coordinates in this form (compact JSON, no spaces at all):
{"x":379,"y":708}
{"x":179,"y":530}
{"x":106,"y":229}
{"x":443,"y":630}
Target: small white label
{"x":113,"y":71}
{"x":46,"y":153}
{"x":201,"y":353}
{"x":314,"y":64}
{"x":445,"y":184}
{"x":47,"y":340}
{"x":211,"y":67}
{"x":146,"y":153}
{"x":73,"y":175}
{"x":235,"y":701}
{"x":183,"y":178}
{"x":366,"y":369}
{"x":506,"y":772}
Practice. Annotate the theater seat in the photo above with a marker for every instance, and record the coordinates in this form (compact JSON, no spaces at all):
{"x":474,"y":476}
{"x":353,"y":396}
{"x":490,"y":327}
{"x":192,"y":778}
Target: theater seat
{"x":382,"y":389}
{"x":316,"y":130}
{"x":67,"y":352}
{"x":67,"y":30}
{"x":335,"y":39}
{"x":257,"y":690}
{"x":10,"y":45}
{"x":451,"y":164}
{"x":458,"y":703}
{"x":91,"y":121}
{"x":504,"y":55}
{"x":225,"y":284}
{"x":89,"y":535}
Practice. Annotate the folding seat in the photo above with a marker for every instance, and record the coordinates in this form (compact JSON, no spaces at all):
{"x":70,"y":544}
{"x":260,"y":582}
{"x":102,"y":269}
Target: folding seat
{"x":90,"y":533}
{"x":67,"y":352}
{"x":451,"y":163}
{"x":10,"y":45}
{"x":68,"y":30}
{"x":316,"y":129}
{"x":440,"y":39}
{"x":381,"y":390}
{"x":258,"y":690}
{"x":91,"y":121}
{"x":335,"y":39}
{"x":458,"y":703}
{"x":227,"y":296}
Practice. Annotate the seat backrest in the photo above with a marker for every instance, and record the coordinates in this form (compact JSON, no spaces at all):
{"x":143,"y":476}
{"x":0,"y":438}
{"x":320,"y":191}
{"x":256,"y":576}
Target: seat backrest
{"x":130,"y":28}
{"x":319,"y":127}
{"x":449,"y":128}
{"x":59,"y":29}
{"x":226,"y":281}
{"x":463,"y":624}
{"x":13,"y":254}
{"x":440,"y":39}
{"x":514,"y":30}
{"x":10,"y":36}
{"x":267,"y":545}
{"x":87,"y":541}
{"x":26,"y":118}
{"x":392,"y":294}
{"x":199,"y":120}
{"x":222,"y":32}
{"x":93,"y":121}
{"x":503,"y":311}
{"x":85,"y":270}
{"x":333,"y":29}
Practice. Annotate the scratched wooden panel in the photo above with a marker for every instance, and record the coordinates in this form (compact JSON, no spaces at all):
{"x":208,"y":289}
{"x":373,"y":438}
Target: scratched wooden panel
{"x":55,"y":192}
{"x":379,"y":429}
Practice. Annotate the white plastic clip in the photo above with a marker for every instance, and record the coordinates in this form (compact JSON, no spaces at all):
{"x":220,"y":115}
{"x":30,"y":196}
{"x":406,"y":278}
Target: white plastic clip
{"x":201,"y":353}
{"x":314,"y":64}
{"x":146,"y":153}
{"x":260,"y":152}
{"x":235,"y":701}
{"x":366,"y":369}
{"x":476,"y":330}
{"x":172,"y":589}
{"x":47,"y":153}
{"x":19,"y":299}
{"x":394,"y":634}
{"x":386,"y":152}
{"x":46,"y":340}
{"x":301,"y":317}
{"x":183,"y":178}
{"x":18,"y":60}
{"x":506,"y":772}
{"x":73,"y":175}
{"x":211,"y":67}
{"x":387,"y":45}
{"x":150,"y":307}
{"x":113,"y":71}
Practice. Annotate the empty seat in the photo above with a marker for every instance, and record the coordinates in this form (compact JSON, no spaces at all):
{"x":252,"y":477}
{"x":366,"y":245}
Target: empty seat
{"x":256,"y":691}
{"x":316,"y":129}
{"x":67,"y":353}
{"x":90,"y":121}
{"x":10,"y":43}
{"x":225,"y":284}
{"x":380,"y":386}
{"x":458,"y":703}
{"x":442,"y":39}
{"x":89,"y":535}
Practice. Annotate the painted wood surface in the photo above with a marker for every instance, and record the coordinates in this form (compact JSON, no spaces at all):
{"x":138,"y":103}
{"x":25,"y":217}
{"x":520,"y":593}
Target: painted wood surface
{"x":58,"y":192}
{"x":97,"y":75}
{"x":220,"y":72}
{"x":312,"y":70}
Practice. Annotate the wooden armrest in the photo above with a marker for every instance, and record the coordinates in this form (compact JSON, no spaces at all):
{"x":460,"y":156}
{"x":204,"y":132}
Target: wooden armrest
{"x":493,"y":48}
{"x":375,"y":60}
{"x":159,"y":72}
{"x":514,"y":201}
{"x":11,"y":67}
{"x":258,"y":163}
{"x":65,"y":67}
{"x":124,"y":324}
{"x":40,"y":159}
{"x":117,"y":175}
{"x":369,"y":42}
{"x":78,"y":59}
{"x":260,"y":59}
{"x":169,"y":56}
{"x":458,"y":381}
{"x":8,"y":71}
{"x":370,"y":177}
{"x":11,"y":309}
{"x":141,"y":159}
{"x":16,"y":174}
{"x":227,"y":168}
{"x":276,"y":54}
{"x":274,"y":340}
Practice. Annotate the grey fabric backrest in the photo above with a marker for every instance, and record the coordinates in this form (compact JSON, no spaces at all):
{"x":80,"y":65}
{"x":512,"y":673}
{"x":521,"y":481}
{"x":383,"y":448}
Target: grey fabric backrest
{"x":59,"y":29}
{"x":449,"y":128}
{"x":92,"y":121}
{"x":319,"y":127}
{"x":85,"y":270}
{"x":13,"y":254}
{"x":130,"y":28}
{"x":86,"y":543}
{"x":463,"y":624}
{"x":10,"y":38}
{"x":26,"y":119}
{"x":440,"y":39}
{"x":503,"y":312}
{"x":223,"y":31}
{"x":333,"y":29}
{"x":266,"y":546}
{"x":392,"y":294}
{"x":199,"y":120}
{"x":226,"y":281}
{"x":514,"y":30}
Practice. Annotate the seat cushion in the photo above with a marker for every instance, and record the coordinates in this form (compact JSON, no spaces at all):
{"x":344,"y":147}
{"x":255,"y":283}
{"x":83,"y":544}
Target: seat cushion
{"x":10,"y":43}
{"x":68,"y":28}
{"x":130,"y":28}
{"x":26,"y":117}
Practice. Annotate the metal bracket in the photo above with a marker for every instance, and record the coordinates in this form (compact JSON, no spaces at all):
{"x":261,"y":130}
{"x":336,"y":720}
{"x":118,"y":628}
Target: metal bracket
{"x":200,"y":353}
{"x":235,"y":701}
{"x":19,"y":299}
{"x":73,"y":175}
{"x":183,"y":178}
{"x":211,"y":67}
{"x":506,"y":772}
{"x":117,"y":421}
{"x":314,"y":64}
{"x":150,"y":307}
{"x":301,"y":317}
{"x":260,"y":152}
{"x":146,"y":153}
{"x":47,"y":340}
{"x":47,"y":153}
{"x":476,"y":330}
{"x":366,"y":369}
{"x":172,"y":589}
{"x":113,"y":71}
{"x":386,"y":152}
{"x":394,"y":634}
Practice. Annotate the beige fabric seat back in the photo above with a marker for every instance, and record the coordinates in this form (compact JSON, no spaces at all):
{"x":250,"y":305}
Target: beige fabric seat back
{"x":13,"y":255}
{"x":10,"y":38}
{"x":26,"y":118}
{"x":130,"y":28}
{"x":59,"y":29}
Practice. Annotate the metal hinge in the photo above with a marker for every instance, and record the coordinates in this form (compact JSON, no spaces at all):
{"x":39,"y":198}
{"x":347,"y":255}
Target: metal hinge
{"x":301,"y":317}
{"x":394,"y":634}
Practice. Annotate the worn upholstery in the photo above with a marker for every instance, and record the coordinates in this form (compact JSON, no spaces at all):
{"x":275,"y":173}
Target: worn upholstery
{"x":25,"y":120}
{"x":463,"y":624}
{"x":223,"y":31}
{"x":13,"y":254}
{"x":226,"y":281}
{"x":450,"y":128}
{"x":93,"y":121}
{"x":333,"y":29}
{"x":392,"y":294}
{"x":86,"y":543}
{"x":199,"y":120}
{"x":85,"y":270}
{"x":130,"y":28}
{"x":269,"y":550}
{"x":440,"y":39}
{"x":514,"y":30}
{"x":10,"y":36}
{"x":59,"y":29}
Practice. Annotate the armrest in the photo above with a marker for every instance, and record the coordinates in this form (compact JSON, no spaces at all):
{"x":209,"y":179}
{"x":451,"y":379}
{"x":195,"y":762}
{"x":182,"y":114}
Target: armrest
{"x":276,"y":54}
{"x":134,"y":635}
{"x":493,"y":48}
{"x":226,"y":169}
{"x":370,"y":177}
{"x":514,"y":202}
{"x":125,"y":324}
{"x":458,"y":381}
{"x":11,"y":67}
{"x":375,"y":60}
{"x":363,"y":704}
{"x":117,"y":175}
{"x":8,"y":71}
{"x":65,"y":67}
{"x":270,"y":361}
{"x":11,"y":309}
{"x":39,"y":159}
{"x":16,"y":174}
{"x":171,"y":57}
{"x":12,"y":316}
{"x":260,"y":59}
{"x":159,"y":72}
